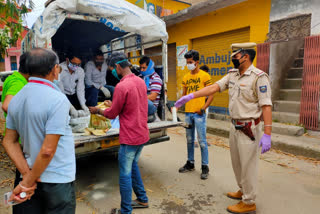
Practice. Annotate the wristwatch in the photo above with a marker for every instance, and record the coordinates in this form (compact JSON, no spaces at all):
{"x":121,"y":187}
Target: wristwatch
{"x":203,"y":111}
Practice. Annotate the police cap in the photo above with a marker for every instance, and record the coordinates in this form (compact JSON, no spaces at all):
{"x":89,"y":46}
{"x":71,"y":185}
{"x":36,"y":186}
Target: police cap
{"x":238,"y":47}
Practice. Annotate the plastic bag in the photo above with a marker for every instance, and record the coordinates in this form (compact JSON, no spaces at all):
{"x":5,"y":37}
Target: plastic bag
{"x":115,"y":123}
{"x":99,"y":122}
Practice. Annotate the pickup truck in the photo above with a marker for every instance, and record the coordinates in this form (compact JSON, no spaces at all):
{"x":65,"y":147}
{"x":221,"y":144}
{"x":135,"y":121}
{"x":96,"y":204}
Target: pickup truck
{"x":87,"y":25}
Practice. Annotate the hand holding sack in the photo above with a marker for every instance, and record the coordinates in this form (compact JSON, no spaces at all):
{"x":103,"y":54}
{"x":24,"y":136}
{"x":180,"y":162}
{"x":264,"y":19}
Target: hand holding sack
{"x":73,"y":112}
{"x":86,"y":110}
{"x":99,"y":125}
{"x":183,"y":100}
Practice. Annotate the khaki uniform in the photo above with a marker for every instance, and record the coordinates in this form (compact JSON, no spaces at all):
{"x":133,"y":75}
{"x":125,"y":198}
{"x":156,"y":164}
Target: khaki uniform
{"x":247,"y":94}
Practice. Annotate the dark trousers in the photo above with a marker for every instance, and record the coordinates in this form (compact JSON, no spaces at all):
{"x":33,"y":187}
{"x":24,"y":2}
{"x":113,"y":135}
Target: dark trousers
{"x":92,"y":94}
{"x":74,"y":101}
{"x":49,"y":198}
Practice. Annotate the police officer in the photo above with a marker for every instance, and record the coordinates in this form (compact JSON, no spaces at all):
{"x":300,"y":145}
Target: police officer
{"x":249,"y":98}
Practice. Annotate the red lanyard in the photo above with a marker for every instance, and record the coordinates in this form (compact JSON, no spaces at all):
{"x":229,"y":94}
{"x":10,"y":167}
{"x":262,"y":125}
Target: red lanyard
{"x":41,"y":82}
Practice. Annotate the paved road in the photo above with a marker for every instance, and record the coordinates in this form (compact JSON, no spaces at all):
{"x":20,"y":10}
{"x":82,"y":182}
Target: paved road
{"x":287,"y":184}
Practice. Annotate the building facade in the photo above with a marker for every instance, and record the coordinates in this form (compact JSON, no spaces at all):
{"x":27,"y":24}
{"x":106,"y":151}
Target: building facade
{"x":212,"y":34}
{"x":161,"y":8}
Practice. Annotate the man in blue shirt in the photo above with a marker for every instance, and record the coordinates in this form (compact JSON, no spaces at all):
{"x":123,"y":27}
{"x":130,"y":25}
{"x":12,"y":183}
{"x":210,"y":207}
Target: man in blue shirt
{"x":39,"y":114}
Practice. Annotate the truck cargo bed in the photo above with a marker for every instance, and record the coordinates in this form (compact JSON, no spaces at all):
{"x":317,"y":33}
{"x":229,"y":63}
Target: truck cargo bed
{"x":90,"y":144}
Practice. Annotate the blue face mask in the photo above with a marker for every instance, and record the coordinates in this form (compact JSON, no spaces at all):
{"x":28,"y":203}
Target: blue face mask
{"x":72,"y":66}
{"x":114,"y":73}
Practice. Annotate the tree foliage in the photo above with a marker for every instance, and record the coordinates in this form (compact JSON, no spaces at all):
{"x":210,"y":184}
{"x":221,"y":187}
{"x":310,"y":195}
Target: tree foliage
{"x":11,"y":14}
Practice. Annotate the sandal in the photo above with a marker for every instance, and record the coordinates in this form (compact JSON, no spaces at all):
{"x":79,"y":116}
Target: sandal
{"x":115,"y":211}
{"x":138,"y":205}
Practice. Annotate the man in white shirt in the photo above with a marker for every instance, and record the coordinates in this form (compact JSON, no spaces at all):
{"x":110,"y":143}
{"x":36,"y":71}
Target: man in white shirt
{"x":72,"y":81}
{"x":95,"y":79}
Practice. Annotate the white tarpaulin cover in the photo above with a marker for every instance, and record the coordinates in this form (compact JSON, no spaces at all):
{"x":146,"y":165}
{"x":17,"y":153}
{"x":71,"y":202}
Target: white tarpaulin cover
{"x":118,"y":15}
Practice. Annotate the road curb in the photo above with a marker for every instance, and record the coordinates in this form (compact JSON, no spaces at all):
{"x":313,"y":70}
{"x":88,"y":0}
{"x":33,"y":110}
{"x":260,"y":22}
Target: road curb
{"x":298,"y":145}
{"x":284,"y":143}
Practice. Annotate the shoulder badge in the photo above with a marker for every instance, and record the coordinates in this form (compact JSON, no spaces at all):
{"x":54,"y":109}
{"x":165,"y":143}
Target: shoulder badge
{"x":233,"y":70}
{"x":259,"y":72}
{"x":263,"y":89}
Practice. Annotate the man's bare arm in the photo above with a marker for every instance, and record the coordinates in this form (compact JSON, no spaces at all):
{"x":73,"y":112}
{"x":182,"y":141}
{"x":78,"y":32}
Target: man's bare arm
{"x":267,"y":117}
{"x":184,"y":91}
{"x":152,"y":96}
{"x":6,"y":102}
{"x":209,"y":101}
{"x":13,"y":149}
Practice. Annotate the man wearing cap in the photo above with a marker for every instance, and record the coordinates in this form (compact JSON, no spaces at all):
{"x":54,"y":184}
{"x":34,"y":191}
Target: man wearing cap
{"x":249,"y":98}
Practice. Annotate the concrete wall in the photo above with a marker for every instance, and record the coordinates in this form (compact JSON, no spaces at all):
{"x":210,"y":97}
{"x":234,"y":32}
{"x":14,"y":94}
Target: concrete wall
{"x":280,"y":65}
{"x":281,"y":9}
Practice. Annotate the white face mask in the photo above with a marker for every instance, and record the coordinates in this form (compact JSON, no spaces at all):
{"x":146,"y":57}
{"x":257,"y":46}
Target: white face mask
{"x":191,"y":67}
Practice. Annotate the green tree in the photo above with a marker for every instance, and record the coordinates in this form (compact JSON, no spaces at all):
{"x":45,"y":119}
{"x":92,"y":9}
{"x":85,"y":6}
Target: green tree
{"x":11,"y":14}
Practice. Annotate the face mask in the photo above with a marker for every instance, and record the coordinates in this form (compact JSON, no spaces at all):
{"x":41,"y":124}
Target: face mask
{"x":191,"y":67}
{"x":114,"y":73}
{"x":98,"y":64}
{"x":236,"y":62}
{"x":72,"y":67}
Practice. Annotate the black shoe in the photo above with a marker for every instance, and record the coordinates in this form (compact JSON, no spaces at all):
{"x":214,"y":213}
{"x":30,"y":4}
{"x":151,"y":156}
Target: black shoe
{"x":188,"y":167}
{"x":151,"y":118}
{"x":205,"y":172}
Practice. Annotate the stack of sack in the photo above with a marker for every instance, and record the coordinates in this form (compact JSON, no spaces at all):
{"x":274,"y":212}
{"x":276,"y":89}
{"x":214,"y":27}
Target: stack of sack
{"x":98,"y":124}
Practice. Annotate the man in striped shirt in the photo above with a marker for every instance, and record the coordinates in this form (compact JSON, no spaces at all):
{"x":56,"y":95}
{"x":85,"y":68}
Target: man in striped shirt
{"x":153,"y":82}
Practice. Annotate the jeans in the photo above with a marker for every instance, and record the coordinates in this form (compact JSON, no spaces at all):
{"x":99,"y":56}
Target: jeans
{"x":195,"y":131}
{"x":49,"y":198}
{"x":151,"y":108}
{"x":198,"y":123}
{"x":92,"y":94}
{"x":130,"y":177}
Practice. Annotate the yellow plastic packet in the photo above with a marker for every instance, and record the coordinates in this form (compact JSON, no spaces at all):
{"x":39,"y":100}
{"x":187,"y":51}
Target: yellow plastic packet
{"x":99,"y":122}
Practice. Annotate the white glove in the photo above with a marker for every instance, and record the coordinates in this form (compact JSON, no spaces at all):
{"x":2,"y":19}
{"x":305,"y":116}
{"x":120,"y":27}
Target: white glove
{"x":106,"y":92}
{"x":73,"y":112}
{"x":85,"y":109}
{"x":82,"y":113}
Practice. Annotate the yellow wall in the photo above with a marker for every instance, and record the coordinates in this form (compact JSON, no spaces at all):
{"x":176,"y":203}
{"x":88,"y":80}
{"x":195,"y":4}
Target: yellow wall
{"x":160,"y":7}
{"x":251,"y":14}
